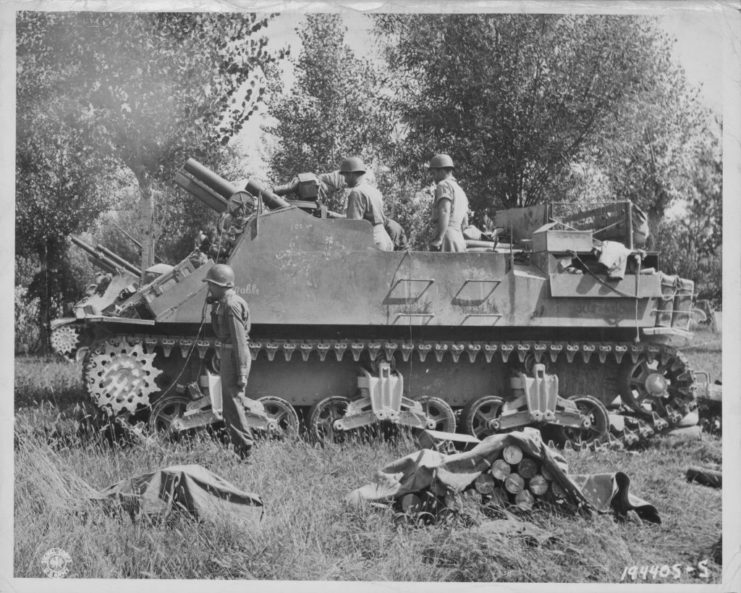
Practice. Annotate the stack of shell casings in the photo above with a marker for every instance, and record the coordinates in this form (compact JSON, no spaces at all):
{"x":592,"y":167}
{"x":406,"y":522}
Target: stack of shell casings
{"x":515,"y":478}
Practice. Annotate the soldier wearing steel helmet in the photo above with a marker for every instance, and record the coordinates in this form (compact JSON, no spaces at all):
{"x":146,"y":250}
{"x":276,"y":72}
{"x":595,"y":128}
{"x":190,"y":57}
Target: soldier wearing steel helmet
{"x":365,"y":201}
{"x":230,"y":320}
{"x":450,"y":207}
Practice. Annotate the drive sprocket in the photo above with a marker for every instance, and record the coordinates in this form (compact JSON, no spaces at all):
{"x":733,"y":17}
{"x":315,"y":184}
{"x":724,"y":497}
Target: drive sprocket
{"x":120,"y":376}
{"x":64,"y":341}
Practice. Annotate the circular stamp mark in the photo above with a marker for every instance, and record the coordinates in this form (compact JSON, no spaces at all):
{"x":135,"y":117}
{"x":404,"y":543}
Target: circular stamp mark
{"x":55,"y":563}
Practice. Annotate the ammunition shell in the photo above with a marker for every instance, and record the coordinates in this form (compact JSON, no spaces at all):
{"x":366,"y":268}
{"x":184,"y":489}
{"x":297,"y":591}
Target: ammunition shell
{"x":514,"y":483}
{"x":485,"y":484}
{"x":538,"y":485}
{"x":527,"y":468}
{"x":501,"y":469}
{"x":512,"y":454}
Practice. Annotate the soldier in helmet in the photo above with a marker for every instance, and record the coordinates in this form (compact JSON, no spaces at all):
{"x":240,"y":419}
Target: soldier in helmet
{"x":230,"y":319}
{"x":365,"y":201}
{"x":450,"y":207}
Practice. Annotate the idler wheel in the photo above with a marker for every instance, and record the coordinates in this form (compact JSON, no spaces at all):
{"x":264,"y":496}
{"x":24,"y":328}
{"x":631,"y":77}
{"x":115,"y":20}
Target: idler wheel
{"x":282,"y":416}
{"x":64,"y":341}
{"x":440,"y":415}
{"x":479,"y":414}
{"x":323,"y":415}
{"x":595,"y":425}
{"x":165,"y":411}
{"x":649,"y":385}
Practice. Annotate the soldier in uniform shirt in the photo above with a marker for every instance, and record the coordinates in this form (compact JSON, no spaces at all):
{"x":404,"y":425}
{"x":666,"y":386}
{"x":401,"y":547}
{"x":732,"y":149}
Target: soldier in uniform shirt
{"x":450,"y":208}
{"x":230,"y":320}
{"x":365,"y":201}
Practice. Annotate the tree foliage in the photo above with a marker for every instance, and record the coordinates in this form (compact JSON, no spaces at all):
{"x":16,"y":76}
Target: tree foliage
{"x":125,"y":92}
{"x":520,"y":100}
{"x":333,"y":109}
{"x":150,"y":87}
{"x":692,"y":241}
{"x":58,"y":191}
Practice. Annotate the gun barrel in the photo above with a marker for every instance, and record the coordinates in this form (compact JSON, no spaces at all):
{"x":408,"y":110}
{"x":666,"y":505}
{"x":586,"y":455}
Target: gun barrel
{"x":120,"y":261}
{"x":206,"y":176}
{"x":201,"y":191}
{"x":104,"y":263}
{"x":105,"y":258}
{"x":270,"y":199}
{"x":83,"y":245}
{"x":225,"y":190}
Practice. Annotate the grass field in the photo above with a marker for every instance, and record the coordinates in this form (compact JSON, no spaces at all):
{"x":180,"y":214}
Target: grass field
{"x":308,"y":533}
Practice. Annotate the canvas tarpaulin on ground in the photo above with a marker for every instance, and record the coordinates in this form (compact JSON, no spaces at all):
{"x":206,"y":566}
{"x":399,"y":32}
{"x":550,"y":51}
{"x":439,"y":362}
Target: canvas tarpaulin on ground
{"x":428,"y":468}
{"x":189,"y":488}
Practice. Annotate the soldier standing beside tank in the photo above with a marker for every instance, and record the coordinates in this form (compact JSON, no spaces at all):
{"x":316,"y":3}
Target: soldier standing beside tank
{"x":450,"y":207}
{"x":365,"y":201}
{"x":230,"y":320}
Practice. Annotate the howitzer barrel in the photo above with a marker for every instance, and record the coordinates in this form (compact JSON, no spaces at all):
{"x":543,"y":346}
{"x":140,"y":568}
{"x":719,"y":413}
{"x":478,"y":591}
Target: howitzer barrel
{"x":83,"y":245}
{"x":206,"y":176}
{"x":226,"y":190}
{"x":104,"y":264}
{"x":201,"y":191}
{"x":270,"y":199}
{"x":120,"y":261}
{"x":105,"y":258}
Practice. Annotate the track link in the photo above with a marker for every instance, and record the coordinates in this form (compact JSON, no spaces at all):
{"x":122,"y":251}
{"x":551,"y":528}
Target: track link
{"x":660,"y":415}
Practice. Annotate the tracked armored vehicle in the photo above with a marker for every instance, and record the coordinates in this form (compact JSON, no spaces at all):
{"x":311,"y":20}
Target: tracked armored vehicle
{"x":345,"y":335}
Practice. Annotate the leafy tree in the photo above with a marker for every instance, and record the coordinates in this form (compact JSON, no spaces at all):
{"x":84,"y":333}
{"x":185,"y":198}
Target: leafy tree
{"x":691,"y":243}
{"x":333,"y":109}
{"x":150,"y":89}
{"x":130,"y":93}
{"x":519,"y":100}
{"x":56,"y":195}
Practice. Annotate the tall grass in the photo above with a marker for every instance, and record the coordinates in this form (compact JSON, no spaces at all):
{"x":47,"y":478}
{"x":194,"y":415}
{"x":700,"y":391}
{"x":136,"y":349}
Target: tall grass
{"x":308,"y":532}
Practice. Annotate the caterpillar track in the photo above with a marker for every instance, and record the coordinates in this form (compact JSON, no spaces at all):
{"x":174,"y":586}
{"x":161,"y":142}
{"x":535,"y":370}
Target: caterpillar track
{"x":129,"y":373}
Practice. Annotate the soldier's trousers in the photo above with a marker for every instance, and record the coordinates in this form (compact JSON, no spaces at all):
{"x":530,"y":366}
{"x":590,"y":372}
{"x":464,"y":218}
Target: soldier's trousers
{"x":232,"y":408}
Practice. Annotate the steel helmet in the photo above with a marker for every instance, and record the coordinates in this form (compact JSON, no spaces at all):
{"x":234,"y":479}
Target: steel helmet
{"x":352,"y":165}
{"x":221,"y":275}
{"x":441,"y":161}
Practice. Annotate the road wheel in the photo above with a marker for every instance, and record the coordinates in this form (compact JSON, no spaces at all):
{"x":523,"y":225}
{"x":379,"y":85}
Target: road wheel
{"x":322,"y":416}
{"x":597,"y":422}
{"x":282,"y":416}
{"x":478,"y":414}
{"x":439,"y":414}
{"x":165,"y":411}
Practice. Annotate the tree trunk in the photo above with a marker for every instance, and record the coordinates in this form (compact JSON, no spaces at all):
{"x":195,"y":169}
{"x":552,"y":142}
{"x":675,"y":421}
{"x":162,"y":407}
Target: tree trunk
{"x":146,"y":220}
{"x":44,"y":344}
